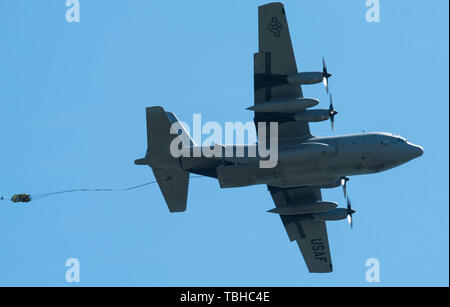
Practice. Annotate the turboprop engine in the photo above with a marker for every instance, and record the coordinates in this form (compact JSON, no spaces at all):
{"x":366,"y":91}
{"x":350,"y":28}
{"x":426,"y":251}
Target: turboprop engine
{"x":305,"y":208}
{"x":337,"y":214}
{"x":285,"y":106}
{"x":320,"y":210}
{"x":318,"y":115}
{"x":312,"y":77}
{"x":332,"y":215}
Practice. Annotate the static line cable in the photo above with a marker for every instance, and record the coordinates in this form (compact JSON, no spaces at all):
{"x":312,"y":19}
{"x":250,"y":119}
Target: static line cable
{"x":26,"y":198}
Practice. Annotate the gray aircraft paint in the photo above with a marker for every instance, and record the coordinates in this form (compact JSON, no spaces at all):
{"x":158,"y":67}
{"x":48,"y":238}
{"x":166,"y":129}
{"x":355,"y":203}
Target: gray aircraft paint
{"x":315,"y":161}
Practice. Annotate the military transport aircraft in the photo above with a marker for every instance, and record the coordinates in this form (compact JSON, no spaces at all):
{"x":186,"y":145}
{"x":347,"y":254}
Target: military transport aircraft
{"x":306,"y":163}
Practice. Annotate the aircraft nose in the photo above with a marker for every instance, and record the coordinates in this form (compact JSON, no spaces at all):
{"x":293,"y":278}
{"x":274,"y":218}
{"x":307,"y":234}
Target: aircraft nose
{"x":415,"y":151}
{"x":420,"y":150}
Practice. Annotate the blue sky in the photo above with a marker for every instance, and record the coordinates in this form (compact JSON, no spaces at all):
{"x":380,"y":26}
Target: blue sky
{"x":72,"y":114}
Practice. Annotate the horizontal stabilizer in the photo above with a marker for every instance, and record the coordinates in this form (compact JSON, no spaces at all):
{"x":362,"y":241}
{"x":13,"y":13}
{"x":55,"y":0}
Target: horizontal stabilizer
{"x":174,"y":187}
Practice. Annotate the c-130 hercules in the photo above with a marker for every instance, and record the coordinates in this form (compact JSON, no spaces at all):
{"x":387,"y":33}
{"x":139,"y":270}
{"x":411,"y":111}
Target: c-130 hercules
{"x":306,"y":163}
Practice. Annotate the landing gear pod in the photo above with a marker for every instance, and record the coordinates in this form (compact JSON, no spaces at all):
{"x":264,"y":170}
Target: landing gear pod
{"x":21,"y":198}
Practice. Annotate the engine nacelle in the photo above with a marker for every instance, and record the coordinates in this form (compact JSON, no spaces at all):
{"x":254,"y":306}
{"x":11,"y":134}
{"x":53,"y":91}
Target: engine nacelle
{"x":305,"y":208}
{"x":285,"y":106}
{"x":312,"y":77}
{"x":332,"y":215}
{"x":331,"y":185}
{"x":318,"y":115}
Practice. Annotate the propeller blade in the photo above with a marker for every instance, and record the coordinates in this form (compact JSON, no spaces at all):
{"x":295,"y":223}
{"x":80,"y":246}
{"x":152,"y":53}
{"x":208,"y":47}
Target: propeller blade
{"x":350,"y":221}
{"x":324,"y":64}
{"x":332,"y":112}
{"x":350,"y":212}
{"x":325,"y":84}
{"x":344,"y":181}
{"x":326,"y":75}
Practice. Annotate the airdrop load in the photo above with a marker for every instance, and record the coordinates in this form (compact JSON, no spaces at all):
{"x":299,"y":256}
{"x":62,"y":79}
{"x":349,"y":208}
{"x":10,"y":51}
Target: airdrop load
{"x":21,"y":198}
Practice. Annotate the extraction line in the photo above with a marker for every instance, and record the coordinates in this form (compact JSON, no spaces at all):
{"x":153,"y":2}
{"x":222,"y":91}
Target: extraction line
{"x":25,"y":198}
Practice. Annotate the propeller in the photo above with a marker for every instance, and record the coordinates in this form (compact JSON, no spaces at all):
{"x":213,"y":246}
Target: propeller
{"x":332,"y":112}
{"x":344,"y":181}
{"x":350,"y":212}
{"x":326,"y":75}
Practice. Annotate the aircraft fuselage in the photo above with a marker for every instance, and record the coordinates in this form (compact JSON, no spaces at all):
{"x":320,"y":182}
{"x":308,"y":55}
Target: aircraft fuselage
{"x":317,"y":161}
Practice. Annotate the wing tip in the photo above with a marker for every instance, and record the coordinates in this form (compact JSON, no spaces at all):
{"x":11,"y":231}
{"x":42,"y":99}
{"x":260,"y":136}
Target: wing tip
{"x":321,"y":270}
{"x":271,"y":4}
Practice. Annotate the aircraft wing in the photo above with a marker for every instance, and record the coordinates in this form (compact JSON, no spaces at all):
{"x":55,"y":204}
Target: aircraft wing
{"x":311,"y":235}
{"x":274,"y":62}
